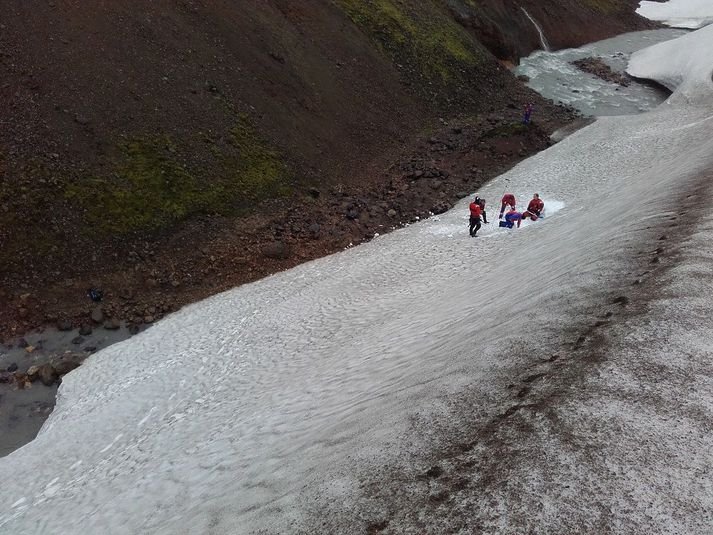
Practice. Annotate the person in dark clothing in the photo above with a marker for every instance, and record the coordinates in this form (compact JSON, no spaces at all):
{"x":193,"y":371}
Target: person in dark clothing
{"x":475,"y":213}
{"x":481,"y":202}
{"x":527,"y":114}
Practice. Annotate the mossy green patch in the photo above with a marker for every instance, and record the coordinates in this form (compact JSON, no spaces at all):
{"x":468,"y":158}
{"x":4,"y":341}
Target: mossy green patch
{"x":151,"y":187}
{"x":506,"y":130}
{"x":419,"y":35}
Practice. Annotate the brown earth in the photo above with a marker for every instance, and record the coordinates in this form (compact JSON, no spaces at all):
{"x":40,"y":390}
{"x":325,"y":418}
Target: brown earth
{"x":154,"y":149}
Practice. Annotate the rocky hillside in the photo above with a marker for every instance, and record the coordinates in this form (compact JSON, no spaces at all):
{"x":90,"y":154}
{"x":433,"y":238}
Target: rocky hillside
{"x":503,"y":27}
{"x":132,"y":129}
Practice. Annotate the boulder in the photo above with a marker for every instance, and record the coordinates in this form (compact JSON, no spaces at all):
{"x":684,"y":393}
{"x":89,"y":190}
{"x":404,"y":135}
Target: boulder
{"x":315,"y":230}
{"x":12,"y":367}
{"x":277,"y":250}
{"x":97,"y":314}
{"x":112,"y":325}
{"x":64,"y":325}
{"x":67,"y":363}
{"x":47,"y":374}
{"x":85,"y":329}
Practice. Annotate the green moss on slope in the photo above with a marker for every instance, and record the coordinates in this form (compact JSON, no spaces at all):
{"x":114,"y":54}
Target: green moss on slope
{"x":417,"y":34}
{"x":150,"y":188}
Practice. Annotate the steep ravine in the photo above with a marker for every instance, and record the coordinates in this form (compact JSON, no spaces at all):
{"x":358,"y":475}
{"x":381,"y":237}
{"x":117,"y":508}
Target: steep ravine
{"x":161,"y":172}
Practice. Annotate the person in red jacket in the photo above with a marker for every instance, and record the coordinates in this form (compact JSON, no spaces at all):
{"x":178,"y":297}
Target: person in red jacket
{"x":475,"y":212}
{"x":536,"y":205}
{"x":529,"y":214}
{"x":508,"y":200}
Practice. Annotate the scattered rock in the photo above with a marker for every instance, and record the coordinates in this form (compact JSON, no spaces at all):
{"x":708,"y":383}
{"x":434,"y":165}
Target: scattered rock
{"x":391,"y":213}
{"x":77,"y":340}
{"x":441,"y":207}
{"x":12,"y":367}
{"x":6,"y":377}
{"x":33,"y":372}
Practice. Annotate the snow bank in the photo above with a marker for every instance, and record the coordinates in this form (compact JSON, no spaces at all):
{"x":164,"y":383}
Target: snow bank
{"x":692,"y":14}
{"x":683,"y":65}
{"x":262,"y":406}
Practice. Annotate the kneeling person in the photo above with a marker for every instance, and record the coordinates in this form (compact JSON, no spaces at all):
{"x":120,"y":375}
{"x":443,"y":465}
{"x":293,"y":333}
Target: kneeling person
{"x":511,"y":218}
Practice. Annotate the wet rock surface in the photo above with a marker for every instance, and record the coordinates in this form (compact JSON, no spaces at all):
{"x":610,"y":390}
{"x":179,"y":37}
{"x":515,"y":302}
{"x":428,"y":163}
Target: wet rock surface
{"x":600,"y":69}
{"x":31,"y":369}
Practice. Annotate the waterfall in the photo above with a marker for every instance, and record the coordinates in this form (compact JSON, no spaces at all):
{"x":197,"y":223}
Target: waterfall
{"x":543,"y":39}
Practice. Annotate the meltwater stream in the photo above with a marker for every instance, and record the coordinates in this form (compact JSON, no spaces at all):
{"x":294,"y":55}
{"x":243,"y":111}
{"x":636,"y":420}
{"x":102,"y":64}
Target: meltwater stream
{"x":552,"y":75}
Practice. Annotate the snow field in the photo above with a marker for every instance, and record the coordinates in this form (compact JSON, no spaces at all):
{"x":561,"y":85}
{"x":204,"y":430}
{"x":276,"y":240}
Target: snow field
{"x":692,"y":14}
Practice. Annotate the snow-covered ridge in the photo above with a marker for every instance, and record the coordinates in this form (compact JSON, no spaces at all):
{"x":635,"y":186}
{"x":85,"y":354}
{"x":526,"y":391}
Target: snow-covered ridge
{"x":692,"y":14}
{"x":230,"y":414}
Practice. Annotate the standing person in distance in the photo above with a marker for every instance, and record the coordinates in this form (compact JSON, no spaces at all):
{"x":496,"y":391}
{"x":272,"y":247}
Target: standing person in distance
{"x":536,"y":205}
{"x":475,"y":212}
{"x":507,"y":200}
{"x":527,"y":113}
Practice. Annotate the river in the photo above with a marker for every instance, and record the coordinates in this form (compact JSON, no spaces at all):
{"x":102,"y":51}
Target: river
{"x":553,"y":76}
